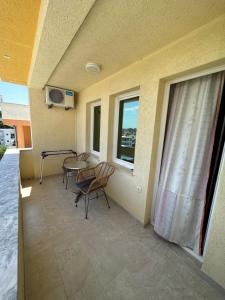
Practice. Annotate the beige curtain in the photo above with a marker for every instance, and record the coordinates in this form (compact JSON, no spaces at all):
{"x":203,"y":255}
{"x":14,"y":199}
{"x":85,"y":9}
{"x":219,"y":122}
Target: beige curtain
{"x":191,"y":123}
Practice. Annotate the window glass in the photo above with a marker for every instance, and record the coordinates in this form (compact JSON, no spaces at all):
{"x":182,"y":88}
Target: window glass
{"x":127,"y":129}
{"x":96,"y":128}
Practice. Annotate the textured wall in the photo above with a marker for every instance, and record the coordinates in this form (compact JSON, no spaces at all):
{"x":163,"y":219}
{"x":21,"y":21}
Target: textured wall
{"x":189,"y":54}
{"x":18,"y":20}
{"x":26,"y":163}
{"x":15,"y":111}
{"x":214,"y":262}
{"x":58,"y":22}
{"x":117,"y":33}
{"x":52,"y":129}
{"x":23,"y":133}
{"x":200,"y":50}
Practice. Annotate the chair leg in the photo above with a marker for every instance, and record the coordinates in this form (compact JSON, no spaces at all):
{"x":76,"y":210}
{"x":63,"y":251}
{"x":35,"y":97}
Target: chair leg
{"x":106,"y":198}
{"x":66,"y":180}
{"x":85,"y":203}
{"x":86,"y":207}
{"x":78,"y":198}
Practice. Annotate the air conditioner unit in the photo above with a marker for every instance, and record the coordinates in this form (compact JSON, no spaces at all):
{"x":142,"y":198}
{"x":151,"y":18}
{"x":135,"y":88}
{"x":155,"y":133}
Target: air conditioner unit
{"x":59,"y":97}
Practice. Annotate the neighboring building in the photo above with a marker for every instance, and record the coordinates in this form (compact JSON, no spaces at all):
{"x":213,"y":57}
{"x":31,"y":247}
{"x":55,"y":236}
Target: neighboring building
{"x":18,"y":116}
{"x":128,"y":141}
{"x":8,"y":137}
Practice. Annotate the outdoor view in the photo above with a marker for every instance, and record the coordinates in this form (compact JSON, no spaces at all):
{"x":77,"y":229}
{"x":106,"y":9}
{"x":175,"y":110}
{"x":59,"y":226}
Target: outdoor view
{"x":128,"y":117}
{"x":14,"y":117}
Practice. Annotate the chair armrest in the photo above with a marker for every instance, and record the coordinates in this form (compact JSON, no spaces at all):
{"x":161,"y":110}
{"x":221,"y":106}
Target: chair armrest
{"x":69,"y":157}
{"x":95,"y":185}
{"x":98,"y":183}
{"x":85,"y":174}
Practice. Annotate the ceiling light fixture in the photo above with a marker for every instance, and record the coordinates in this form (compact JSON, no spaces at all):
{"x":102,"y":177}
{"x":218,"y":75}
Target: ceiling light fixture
{"x":92,"y":67}
{"x":6,"y":56}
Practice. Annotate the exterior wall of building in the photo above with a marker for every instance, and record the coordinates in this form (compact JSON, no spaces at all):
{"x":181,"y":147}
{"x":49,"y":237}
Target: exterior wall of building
{"x":18,"y":115}
{"x":15,"y":111}
{"x":149,"y":76}
{"x":26,"y":163}
{"x":17,"y":30}
{"x":214,"y":262}
{"x":27,"y":136}
{"x":200,"y":50}
{"x":54,"y":129}
{"x":22,"y":132}
{"x":8,"y":137}
{"x":2,"y":137}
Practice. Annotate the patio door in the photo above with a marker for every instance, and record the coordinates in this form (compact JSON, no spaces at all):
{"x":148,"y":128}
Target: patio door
{"x":189,"y":153}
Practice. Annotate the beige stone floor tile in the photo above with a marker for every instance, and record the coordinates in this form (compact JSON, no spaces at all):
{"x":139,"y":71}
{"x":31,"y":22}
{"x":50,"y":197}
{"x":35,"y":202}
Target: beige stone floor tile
{"x":56,"y":294}
{"x":123,"y":287}
{"x":39,"y":284}
{"x":109,"y":256}
{"x":74,"y":266}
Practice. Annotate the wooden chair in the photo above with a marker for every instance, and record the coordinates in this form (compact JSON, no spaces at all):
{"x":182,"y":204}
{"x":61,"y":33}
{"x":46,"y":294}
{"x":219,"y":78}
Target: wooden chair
{"x":81,"y":157}
{"x":92,"y":180}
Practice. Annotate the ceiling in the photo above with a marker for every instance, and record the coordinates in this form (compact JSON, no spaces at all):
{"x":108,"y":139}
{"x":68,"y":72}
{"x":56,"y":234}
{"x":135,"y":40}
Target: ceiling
{"x":117,"y":33}
{"x":59,"y":22}
{"x":18,"y":21}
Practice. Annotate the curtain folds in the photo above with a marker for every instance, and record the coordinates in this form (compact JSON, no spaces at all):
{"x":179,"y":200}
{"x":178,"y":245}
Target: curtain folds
{"x":192,"y":118}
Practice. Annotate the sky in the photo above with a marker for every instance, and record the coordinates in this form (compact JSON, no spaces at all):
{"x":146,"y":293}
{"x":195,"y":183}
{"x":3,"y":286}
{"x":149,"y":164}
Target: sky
{"x":14,"y":93}
{"x":130,"y":114}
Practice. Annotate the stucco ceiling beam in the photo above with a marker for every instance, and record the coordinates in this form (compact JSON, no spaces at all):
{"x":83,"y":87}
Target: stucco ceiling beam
{"x":58,"y":22}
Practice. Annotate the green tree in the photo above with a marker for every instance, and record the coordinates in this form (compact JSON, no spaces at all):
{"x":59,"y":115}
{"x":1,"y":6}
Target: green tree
{"x":2,"y":151}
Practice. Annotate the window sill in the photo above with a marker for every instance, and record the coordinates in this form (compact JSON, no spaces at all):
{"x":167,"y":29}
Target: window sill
{"x":95,"y":157}
{"x":124,"y":168}
{"x":95,"y":154}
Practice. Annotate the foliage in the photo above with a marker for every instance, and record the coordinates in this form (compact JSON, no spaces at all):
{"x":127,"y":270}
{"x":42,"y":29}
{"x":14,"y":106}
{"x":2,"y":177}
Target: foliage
{"x":2,"y":150}
{"x":5,"y":126}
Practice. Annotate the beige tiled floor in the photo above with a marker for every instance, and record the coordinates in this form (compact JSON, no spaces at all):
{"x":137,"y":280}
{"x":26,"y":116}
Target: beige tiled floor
{"x":108,"y":256}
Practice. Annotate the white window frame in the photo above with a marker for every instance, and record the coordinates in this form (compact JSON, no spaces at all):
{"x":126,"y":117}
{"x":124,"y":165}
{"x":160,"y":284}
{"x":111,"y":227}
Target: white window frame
{"x":119,"y":98}
{"x":93,"y":105}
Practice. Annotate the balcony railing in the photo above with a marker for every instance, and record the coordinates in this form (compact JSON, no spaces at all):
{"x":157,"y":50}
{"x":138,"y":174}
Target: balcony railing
{"x":11,"y":262}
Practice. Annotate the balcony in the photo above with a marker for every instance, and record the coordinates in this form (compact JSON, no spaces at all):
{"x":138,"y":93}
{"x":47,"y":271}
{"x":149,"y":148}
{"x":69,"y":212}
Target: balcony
{"x":109,"y":256}
{"x":119,"y":114}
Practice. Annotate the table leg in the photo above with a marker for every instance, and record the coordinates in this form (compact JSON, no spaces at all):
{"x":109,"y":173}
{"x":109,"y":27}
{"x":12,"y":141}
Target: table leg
{"x":64,"y":172}
{"x":41,"y":169}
